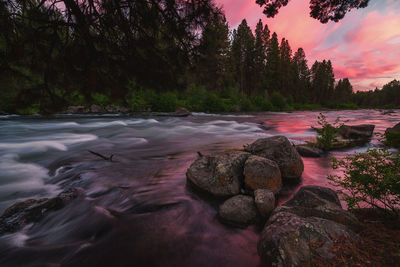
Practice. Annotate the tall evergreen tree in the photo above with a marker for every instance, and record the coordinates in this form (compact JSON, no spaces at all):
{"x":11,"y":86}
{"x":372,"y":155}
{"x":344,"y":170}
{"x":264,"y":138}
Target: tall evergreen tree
{"x":343,"y":91}
{"x":287,"y":75}
{"x":302,"y":73}
{"x":243,"y":57}
{"x":211,"y":67}
{"x":273,"y":64}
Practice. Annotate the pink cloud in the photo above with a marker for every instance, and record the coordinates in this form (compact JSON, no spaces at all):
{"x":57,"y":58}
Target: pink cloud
{"x":364,"y":46}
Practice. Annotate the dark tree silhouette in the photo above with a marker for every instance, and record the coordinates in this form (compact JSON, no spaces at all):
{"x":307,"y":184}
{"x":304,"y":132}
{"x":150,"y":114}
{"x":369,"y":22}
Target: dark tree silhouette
{"x":322,"y":10}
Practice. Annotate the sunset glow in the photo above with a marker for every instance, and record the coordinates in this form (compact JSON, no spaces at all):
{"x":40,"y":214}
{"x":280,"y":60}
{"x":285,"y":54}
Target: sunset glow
{"x":364,"y":46}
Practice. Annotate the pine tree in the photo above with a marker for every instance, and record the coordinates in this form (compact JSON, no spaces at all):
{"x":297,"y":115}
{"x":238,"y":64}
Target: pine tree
{"x":211,"y":68}
{"x":273,"y":65}
{"x":243,"y":57}
{"x":287,"y":76}
{"x":302,"y":74}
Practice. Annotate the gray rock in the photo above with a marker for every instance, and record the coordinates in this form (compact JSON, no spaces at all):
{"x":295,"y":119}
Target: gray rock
{"x":262,"y":173}
{"x":76,"y":109}
{"x":313,"y":216}
{"x":220,"y":175}
{"x":238,"y":211}
{"x":280,"y":150}
{"x":287,"y":238}
{"x":33,"y":210}
{"x":309,"y":152}
{"x":394,"y":129}
{"x":322,"y":202}
{"x":363,"y":131}
{"x":265,"y":201}
{"x":96,"y":109}
{"x":181,"y":112}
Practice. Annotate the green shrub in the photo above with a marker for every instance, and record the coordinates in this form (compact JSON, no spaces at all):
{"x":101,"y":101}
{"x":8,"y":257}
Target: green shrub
{"x":278,"y":101}
{"x":369,"y":179}
{"x":327,"y":133}
{"x":261,"y":103}
{"x":165,"y":102}
{"x":100,"y":99}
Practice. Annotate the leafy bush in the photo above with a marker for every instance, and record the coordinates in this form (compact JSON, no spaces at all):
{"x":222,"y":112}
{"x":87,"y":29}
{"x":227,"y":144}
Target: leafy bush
{"x":371,"y":178}
{"x":100,"y":99}
{"x":278,"y":101}
{"x":165,"y":102}
{"x":261,"y":103}
{"x":327,"y":133}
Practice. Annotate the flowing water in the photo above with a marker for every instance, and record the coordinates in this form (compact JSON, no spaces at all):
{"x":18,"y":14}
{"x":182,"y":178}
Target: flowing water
{"x":137,"y":210}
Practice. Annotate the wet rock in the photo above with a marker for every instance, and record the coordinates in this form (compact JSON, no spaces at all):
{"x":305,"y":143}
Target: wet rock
{"x":341,"y":143}
{"x":220,"y":175}
{"x":280,"y":150}
{"x":262,"y":173}
{"x":76,"y":109}
{"x":287,"y":238}
{"x":95,"y":109}
{"x":309,"y":151}
{"x":322,"y":202}
{"x":32,"y":210}
{"x":394,"y":129}
{"x":181,"y":112}
{"x":363,"y":131}
{"x":238,"y":211}
{"x":116,"y":109}
{"x":265,"y":201}
{"x":313,"y":216}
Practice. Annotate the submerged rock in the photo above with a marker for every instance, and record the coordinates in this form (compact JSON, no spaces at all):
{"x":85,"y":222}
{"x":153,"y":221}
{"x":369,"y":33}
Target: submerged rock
{"x":181,"y":112}
{"x":363,"y":131}
{"x":239,"y":211}
{"x":262,"y":173}
{"x":313,"y":216}
{"x":265,"y":201}
{"x":394,"y":129}
{"x":96,"y":109}
{"x":76,"y":109}
{"x":32,"y":210}
{"x":220,"y":175}
{"x":280,"y":150}
{"x":309,"y":151}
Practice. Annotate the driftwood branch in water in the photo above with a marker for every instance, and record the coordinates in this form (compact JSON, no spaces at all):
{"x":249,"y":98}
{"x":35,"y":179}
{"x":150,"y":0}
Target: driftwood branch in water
{"x":102,"y":156}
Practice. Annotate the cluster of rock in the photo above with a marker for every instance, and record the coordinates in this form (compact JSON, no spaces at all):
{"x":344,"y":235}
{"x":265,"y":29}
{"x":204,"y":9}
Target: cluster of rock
{"x":32,"y":210}
{"x":96,"y":109}
{"x":251,"y":176}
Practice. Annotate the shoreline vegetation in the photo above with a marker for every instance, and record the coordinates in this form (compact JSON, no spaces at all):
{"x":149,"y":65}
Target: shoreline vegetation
{"x":51,"y":60}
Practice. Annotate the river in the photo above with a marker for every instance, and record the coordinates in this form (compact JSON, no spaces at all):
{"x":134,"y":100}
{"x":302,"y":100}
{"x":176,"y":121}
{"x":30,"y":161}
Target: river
{"x":137,"y":210}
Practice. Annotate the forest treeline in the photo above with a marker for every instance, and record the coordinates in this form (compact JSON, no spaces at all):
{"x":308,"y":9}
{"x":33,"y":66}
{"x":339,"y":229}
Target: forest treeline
{"x":158,"y":55}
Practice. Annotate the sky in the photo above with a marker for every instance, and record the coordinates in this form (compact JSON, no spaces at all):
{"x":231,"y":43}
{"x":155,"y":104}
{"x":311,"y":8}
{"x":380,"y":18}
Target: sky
{"x":364,"y":46}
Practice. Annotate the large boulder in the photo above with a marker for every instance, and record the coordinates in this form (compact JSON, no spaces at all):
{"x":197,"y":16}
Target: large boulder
{"x":265,"y":202}
{"x":363,"y":131}
{"x":280,"y":150}
{"x":220,"y":175}
{"x":262,"y":173}
{"x":309,"y":151}
{"x":33,"y":210}
{"x":312,"y":218}
{"x":394,"y":129}
{"x":238,"y":211}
